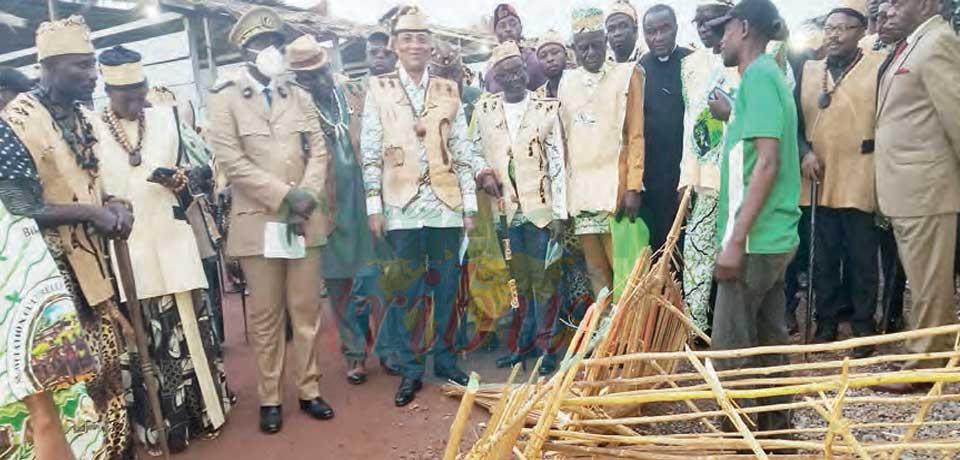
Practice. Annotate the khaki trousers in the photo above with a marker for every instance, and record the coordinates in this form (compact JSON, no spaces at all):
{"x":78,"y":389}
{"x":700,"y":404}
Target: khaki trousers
{"x":598,"y":253}
{"x":279,"y":288}
{"x":926,"y":245}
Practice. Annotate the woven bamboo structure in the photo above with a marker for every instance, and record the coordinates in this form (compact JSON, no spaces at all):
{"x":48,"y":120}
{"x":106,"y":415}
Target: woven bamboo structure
{"x":643,"y":394}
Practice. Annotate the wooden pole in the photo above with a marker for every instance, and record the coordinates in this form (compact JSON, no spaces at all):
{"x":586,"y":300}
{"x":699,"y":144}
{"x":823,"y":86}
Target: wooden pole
{"x":146,"y":363}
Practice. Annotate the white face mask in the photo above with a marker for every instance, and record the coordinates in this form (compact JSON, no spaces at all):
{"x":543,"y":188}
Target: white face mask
{"x":270,"y":62}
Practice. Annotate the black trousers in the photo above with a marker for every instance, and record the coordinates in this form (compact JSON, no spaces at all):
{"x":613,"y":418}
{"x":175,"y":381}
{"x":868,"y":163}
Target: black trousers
{"x":846,"y":238}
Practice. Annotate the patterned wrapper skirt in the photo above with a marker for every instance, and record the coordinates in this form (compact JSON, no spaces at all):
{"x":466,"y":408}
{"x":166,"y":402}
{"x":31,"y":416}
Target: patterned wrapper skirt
{"x":194,"y":396}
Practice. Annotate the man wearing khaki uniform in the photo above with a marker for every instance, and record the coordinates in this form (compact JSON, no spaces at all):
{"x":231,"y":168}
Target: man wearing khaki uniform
{"x":918,"y":165}
{"x":269,"y":144}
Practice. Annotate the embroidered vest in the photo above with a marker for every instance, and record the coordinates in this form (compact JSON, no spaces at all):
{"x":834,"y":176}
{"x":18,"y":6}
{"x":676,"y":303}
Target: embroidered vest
{"x":64,"y":182}
{"x":593,"y":120}
{"x":842,"y":134}
{"x":401,"y":145}
{"x":531,"y":193}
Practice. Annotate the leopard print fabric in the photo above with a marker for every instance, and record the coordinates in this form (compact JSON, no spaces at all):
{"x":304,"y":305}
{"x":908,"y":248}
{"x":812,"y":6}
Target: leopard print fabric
{"x":103,"y":336}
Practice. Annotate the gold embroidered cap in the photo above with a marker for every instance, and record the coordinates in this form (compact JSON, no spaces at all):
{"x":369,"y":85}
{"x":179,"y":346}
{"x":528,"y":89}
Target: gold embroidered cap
{"x":587,"y":19}
{"x":305,"y":54}
{"x":551,"y":37}
{"x":411,"y":19}
{"x":258,"y":20}
{"x":122,"y":67}
{"x":504,"y":51}
{"x":63,"y":36}
{"x":621,"y":7}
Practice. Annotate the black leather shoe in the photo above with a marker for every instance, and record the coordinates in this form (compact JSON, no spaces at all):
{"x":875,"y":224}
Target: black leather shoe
{"x":451,"y":373}
{"x":511,"y":360}
{"x":271,"y":419}
{"x":407,"y":391}
{"x":390,"y":370}
{"x":549,"y":364}
{"x":317,"y":408}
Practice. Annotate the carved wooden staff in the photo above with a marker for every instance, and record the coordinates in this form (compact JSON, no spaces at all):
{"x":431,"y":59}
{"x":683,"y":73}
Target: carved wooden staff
{"x":508,"y":255}
{"x":140,"y":334}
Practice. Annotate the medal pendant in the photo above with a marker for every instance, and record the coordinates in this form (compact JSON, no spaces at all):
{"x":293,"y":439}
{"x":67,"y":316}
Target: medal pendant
{"x":420,"y":129}
{"x":824,"y":101}
{"x":136,"y":159}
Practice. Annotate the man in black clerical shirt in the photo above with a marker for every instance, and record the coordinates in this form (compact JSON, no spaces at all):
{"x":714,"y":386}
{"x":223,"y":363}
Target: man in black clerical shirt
{"x":663,"y":114}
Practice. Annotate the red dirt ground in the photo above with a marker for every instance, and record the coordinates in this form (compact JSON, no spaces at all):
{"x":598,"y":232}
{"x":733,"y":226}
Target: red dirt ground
{"x":367,"y":424}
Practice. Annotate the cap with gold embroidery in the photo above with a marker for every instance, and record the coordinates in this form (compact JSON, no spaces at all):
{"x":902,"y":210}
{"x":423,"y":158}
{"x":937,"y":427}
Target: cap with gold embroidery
{"x":411,"y":19}
{"x":64,"y":36}
{"x":305,"y":54}
{"x":504,"y":51}
{"x":256,"y":21}
{"x":504,"y":11}
{"x":621,"y":7}
{"x":551,"y":37}
{"x":122,"y":67}
{"x":587,"y":19}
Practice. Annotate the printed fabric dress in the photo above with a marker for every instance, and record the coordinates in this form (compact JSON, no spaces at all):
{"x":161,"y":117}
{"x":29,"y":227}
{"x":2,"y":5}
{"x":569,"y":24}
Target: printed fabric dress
{"x":43,"y":348}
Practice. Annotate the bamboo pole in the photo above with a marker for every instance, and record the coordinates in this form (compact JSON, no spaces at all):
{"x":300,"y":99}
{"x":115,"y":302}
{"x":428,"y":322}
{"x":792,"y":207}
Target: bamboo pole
{"x":825,"y":365}
{"x":758,"y":409}
{"x":925,"y":407}
{"x":727,"y":405}
{"x":770,"y":381}
{"x":844,"y":432}
{"x":860,"y":382}
{"x":848,"y":344}
{"x":462,"y":417}
{"x":564,"y":380}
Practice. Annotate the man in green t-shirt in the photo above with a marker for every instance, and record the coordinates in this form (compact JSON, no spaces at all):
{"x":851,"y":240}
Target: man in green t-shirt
{"x":759,"y":196}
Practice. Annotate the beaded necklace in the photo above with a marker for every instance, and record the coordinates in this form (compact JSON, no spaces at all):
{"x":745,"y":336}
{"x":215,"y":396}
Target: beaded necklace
{"x":826,"y":95}
{"x":112,"y":121}
{"x":76,"y":131}
{"x":334,"y":130}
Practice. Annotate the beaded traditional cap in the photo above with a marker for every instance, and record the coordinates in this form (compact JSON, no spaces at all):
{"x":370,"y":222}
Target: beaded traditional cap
{"x":587,"y":19}
{"x":64,"y":36}
{"x":621,"y":7}
{"x":504,"y":51}
{"x":551,"y":37}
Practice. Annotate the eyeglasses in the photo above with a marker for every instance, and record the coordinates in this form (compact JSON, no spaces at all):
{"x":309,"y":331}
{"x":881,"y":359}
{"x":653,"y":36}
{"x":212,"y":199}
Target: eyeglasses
{"x":842,"y":29}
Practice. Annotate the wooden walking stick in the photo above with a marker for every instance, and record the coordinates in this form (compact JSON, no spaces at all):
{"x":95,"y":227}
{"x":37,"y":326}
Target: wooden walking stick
{"x":140,"y":334}
{"x":808,"y":320}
